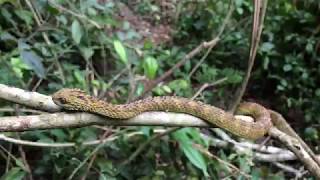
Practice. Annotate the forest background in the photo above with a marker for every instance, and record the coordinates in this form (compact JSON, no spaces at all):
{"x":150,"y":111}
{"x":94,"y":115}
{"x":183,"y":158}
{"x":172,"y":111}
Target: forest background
{"x":124,"y":50}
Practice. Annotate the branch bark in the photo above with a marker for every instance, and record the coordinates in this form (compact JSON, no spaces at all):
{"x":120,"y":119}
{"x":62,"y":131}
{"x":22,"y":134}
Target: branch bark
{"x":31,"y":99}
{"x":297,"y":148}
{"x":67,"y":120}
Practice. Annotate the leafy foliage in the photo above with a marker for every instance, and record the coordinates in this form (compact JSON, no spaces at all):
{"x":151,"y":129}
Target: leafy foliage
{"x":93,"y":45}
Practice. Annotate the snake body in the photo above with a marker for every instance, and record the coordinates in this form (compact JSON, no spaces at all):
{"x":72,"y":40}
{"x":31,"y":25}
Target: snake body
{"x":78,"y":100}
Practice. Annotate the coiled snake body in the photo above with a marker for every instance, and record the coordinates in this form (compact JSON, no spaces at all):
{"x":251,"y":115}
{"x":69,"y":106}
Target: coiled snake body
{"x":77,"y":100}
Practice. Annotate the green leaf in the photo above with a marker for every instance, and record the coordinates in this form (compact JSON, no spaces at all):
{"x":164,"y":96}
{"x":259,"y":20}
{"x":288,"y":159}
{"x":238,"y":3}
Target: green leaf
{"x":77,"y":31}
{"x":309,"y":47}
{"x":239,"y":9}
{"x":14,"y":173}
{"x":18,"y":66}
{"x":121,"y":51}
{"x":150,"y":67}
{"x":179,"y":84}
{"x":31,"y":59}
{"x":192,"y":154}
{"x":20,"y":163}
{"x":166,"y":88}
{"x":5,"y":36}
{"x":146,"y":130}
{"x":105,"y":165}
{"x":195,"y":135}
{"x":256,"y":175}
{"x":287,"y":67}
{"x":267,"y":47}
{"x":140,"y":89}
{"x":26,"y":16}
{"x":318,"y":92}
{"x":233,"y":76}
{"x":284,"y":82}
{"x":86,"y":52}
{"x":80,"y":78}
{"x":147,"y":44}
{"x":8,"y":16}
{"x":312,"y":133}
{"x":59,"y":134}
{"x":266,"y":62}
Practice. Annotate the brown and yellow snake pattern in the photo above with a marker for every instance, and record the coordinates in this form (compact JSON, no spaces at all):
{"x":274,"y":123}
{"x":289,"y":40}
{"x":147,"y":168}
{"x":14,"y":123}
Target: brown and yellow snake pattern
{"x":77,"y":100}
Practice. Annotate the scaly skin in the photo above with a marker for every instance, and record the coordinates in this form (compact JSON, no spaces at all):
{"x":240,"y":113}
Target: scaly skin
{"x":77,"y":100}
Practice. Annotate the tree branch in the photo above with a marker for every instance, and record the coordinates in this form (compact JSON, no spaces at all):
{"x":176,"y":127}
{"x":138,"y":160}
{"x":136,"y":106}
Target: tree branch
{"x":297,"y":148}
{"x":64,"y":120}
{"x":31,"y":99}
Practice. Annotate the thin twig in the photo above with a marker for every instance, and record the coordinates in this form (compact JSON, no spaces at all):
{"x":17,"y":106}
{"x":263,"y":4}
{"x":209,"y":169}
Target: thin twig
{"x":84,"y":177}
{"x":38,"y":18}
{"x":23,"y":110}
{"x":95,"y":150}
{"x":145,"y":144}
{"x":179,"y":64}
{"x":257,"y":26}
{"x":200,"y":62}
{"x":206,"y":152}
{"x":206,"y":85}
{"x":266,"y":153}
{"x":192,"y":53}
{"x":222,"y":28}
{"x":24,"y":159}
{"x":80,"y":16}
{"x":8,"y":158}
{"x":12,"y":156}
{"x":290,"y":169}
{"x":83,"y":162}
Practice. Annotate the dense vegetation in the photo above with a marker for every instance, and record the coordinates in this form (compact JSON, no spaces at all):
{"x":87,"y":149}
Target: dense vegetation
{"x":116,"y":49}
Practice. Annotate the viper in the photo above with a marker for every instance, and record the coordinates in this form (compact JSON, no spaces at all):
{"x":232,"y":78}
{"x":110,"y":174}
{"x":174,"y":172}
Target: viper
{"x":78,"y":100}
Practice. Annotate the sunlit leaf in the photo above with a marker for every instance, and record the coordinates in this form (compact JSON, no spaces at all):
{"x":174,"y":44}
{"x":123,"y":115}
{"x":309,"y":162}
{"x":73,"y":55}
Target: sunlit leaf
{"x":18,"y":66}
{"x":120,"y":51}
{"x":146,"y":130}
{"x":140,"y":89}
{"x":80,"y":78}
{"x":266,"y":47}
{"x":20,"y":163}
{"x":14,"y":173}
{"x":318,"y":92}
{"x":150,"y":67}
{"x":167,"y":89}
{"x":287,"y":67}
{"x":192,"y":154}
{"x":87,"y":52}
{"x":26,"y":16}
{"x":77,"y":31}
{"x":312,"y":133}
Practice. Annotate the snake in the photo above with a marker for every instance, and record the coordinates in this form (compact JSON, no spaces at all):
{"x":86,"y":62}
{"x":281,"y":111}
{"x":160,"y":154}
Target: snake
{"x":78,"y":100}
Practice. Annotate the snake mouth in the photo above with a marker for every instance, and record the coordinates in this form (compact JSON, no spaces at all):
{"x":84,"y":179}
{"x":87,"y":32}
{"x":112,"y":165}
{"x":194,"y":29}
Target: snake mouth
{"x":59,"y":101}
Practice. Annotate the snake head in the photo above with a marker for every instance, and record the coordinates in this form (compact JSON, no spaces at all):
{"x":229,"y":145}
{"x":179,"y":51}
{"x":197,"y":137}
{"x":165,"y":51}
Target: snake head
{"x":70,"y":99}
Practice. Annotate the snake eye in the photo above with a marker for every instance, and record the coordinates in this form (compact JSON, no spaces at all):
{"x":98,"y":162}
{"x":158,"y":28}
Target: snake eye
{"x":81,"y":97}
{"x":62,"y":100}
